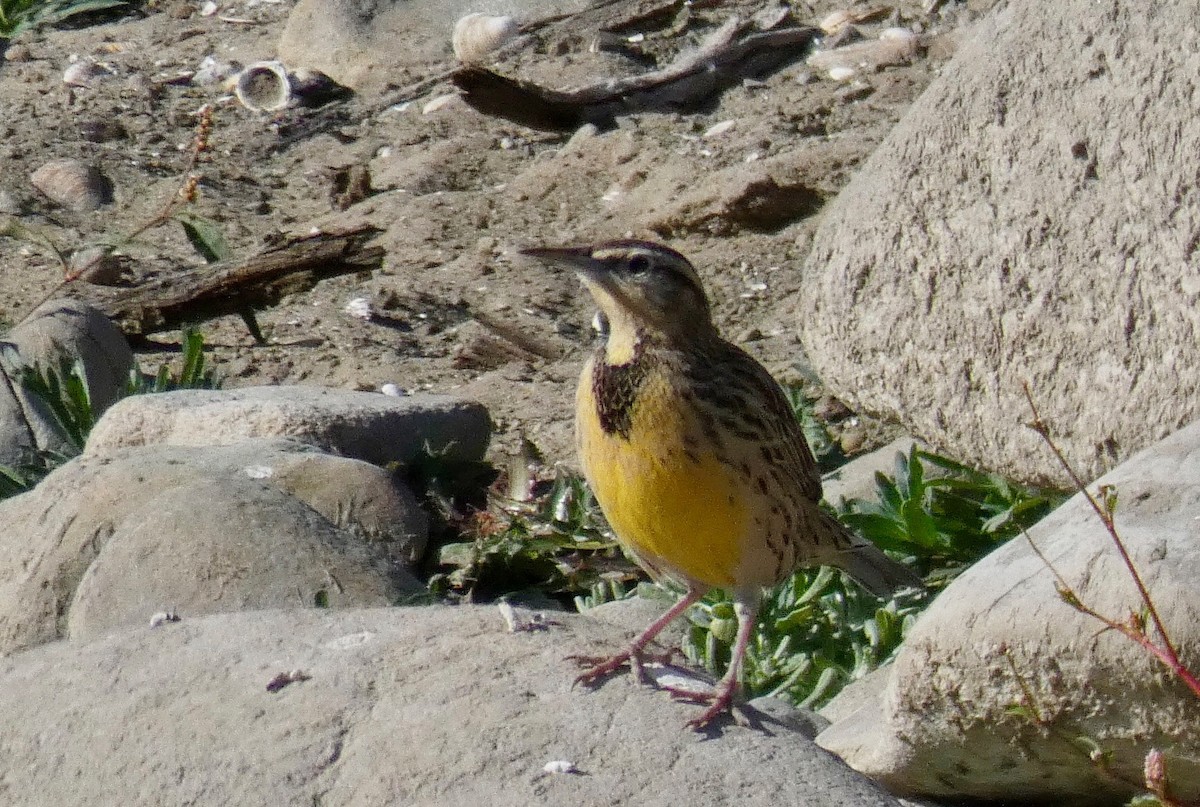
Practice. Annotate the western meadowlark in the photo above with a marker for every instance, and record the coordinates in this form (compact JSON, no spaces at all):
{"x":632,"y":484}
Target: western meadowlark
{"x":694,"y":453}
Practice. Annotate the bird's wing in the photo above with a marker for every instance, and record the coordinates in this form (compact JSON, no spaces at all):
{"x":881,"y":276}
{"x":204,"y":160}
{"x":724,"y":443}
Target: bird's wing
{"x":760,"y":416}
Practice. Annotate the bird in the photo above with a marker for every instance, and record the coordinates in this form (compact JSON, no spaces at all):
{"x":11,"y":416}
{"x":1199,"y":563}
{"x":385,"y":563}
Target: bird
{"x":695,"y":455}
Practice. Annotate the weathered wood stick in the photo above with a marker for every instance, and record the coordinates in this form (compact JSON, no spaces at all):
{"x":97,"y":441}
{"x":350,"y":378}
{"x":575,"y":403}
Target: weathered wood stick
{"x":688,"y":83}
{"x":234,"y":287}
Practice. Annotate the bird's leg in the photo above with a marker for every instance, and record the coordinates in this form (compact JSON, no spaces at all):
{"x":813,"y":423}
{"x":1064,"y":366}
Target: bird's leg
{"x":602,"y":666}
{"x":721,"y":698}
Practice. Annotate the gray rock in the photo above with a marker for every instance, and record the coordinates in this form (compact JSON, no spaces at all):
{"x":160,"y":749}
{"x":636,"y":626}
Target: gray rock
{"x":57,"y":330}
{"x":414,"y":706}
{"x":365,"y":425}
{"x":109,"y":539}
{"x":10,"y":203}
{"x":856,"y":479}
{"x":1054,"y":245}
{"x":865,"y":691}
{"x":634,"y":614}
{"x":366,"y":46}
{"x":351,"y":494}
{"x":999,"y":634}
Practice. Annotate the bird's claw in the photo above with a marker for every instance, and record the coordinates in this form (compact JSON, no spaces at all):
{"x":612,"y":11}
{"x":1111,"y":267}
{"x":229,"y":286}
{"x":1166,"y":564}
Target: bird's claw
{"x":600,"y":667}
{"x":720,"y":703}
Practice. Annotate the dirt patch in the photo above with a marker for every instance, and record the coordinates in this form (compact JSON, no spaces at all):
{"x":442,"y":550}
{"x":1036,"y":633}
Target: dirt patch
{"x":455,"y":192}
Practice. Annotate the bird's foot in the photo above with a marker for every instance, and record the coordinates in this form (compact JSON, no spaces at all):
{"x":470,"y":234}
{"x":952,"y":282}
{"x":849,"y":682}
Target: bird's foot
{"x":719,"y":700}
{"x":600,"y":667}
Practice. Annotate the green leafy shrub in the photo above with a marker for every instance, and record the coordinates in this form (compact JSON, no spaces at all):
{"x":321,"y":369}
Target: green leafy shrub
{"x":64,"y":392}
{"x":944,"y":514}
{"x":554,"y":543}
{"x":825,"y":449}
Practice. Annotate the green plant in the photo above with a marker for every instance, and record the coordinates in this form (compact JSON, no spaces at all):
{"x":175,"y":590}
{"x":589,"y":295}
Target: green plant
{"x":18,"y":16}
{"x":824,"y":448}
{"x":817,"y":631}
{"x":554,"y":541}
{"x":14,"y":480}
{"x":63,"y":390}
{"x":944,"y":514}
{"x":193,"y":370}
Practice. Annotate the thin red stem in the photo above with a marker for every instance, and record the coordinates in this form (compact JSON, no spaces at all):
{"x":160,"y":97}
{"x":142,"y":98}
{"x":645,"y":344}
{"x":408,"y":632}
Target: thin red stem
{"x":1166,"y":652}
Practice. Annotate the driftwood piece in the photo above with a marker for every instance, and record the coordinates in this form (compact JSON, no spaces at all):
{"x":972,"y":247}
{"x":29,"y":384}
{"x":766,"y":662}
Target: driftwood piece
{"x":723,"y":61}
{"x":234,"y":287}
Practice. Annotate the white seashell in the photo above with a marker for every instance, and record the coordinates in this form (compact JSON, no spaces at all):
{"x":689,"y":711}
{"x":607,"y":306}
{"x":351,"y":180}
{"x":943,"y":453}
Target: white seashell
{"x":212,"y":71}
{"x":393,"y":390}
{"x":360,"y":307}
{"x":719,"y":128}
{"x":73,"y":184}
{"x":438,"y":103}
{"x":263,"y":87}
{"x":164,"y":617}
{"x":84,"y":74}
{"x":897,"y":34}
{"x":842,"y":73}
{"x":509,"y":615}
{"x":560,"y":766}
{"x":836,"y":21}
{"x":350,"y":640}
{"x":477,"y":35}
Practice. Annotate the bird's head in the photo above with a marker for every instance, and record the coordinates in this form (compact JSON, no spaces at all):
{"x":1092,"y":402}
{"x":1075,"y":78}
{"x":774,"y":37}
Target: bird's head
{"x":641,"y":287}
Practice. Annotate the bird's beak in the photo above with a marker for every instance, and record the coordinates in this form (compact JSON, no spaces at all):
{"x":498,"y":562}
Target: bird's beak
{"x":578,"y":258}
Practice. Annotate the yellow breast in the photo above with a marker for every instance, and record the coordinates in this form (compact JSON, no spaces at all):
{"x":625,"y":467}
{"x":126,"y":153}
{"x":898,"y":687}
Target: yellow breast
{"x":668,"y":498}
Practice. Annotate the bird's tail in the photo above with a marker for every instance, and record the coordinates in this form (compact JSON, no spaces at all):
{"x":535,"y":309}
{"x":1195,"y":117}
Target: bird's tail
{"x":867,"y":564}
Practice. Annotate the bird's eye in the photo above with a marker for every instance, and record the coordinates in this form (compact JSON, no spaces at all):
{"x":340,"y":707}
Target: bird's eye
{"x":639,"y":264}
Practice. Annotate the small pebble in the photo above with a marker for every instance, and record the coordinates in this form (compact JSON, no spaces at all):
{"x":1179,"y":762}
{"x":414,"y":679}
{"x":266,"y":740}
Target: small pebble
{"x":18,"y":53}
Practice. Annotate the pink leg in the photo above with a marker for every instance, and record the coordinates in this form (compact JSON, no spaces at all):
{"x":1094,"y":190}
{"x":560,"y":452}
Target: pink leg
{"x":721,"y":699}
{"x":603,"y":666}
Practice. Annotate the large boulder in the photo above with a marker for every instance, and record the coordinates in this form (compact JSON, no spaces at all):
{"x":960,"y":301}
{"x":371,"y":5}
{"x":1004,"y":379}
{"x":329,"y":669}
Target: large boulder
{"x":1034,"y":218}
{"x":364,"y":425}
{"x":1000,"y":687}
{"x":110,"y":539}
{"x":415,"y":706}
